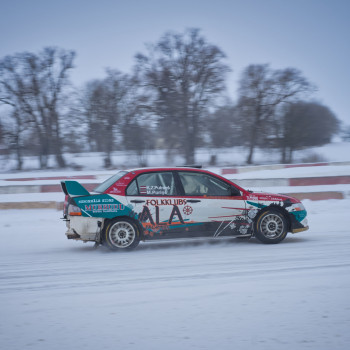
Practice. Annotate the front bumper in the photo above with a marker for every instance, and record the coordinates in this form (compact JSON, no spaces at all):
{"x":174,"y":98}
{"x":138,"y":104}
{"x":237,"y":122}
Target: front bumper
{"x":296,"y":230}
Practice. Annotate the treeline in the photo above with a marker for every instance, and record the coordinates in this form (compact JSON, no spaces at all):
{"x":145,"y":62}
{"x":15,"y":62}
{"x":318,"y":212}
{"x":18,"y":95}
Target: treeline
{"x":175,"y":98}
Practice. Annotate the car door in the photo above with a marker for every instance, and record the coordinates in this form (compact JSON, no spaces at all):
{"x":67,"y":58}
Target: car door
{"x":215,"y":205}
{"x":154,"y":197}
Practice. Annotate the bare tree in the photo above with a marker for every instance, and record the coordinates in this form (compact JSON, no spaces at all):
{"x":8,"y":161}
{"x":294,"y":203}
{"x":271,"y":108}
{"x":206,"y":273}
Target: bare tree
{"x":262,"y":91}
{"x":183,"y":75}
{"x":305,"y":124}
{"x":107,"y":105}
{"x":138,"y":137}
{"x":345,"y":133}
{"x":33,"y":84}
{"x":224,"y":127}
{"x":14,"y":135}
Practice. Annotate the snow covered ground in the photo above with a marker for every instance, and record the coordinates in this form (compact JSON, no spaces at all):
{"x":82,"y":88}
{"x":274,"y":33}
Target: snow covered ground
{"x":201,"y":294}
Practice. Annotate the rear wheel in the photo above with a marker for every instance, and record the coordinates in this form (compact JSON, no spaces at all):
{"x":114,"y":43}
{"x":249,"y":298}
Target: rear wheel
{"x":121,"y":234}
{"x":271,"y":227}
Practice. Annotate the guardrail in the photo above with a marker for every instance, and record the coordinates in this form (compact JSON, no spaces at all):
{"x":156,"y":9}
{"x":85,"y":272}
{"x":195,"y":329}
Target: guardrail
{"x":245,"y":169}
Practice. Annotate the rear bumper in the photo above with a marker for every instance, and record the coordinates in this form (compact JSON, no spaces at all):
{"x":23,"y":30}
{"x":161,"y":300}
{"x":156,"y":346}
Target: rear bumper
{"x":83,"y":229}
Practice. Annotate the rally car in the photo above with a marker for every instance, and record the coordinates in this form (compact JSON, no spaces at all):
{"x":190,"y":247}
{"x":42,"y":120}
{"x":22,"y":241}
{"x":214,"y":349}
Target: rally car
{"x":157,"y":203}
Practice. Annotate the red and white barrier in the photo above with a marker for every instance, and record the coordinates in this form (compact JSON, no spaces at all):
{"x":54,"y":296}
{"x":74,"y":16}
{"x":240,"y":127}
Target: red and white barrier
{"x":15,"y":186}
{"x":245,"y":169}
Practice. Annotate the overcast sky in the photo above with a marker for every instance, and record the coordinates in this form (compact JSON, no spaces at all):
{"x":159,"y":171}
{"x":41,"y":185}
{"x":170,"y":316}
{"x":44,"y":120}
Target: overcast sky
{"x":311,"y":35}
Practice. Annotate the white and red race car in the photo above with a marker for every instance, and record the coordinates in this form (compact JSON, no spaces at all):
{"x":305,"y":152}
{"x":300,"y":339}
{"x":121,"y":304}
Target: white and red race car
{"x":157,"y":203}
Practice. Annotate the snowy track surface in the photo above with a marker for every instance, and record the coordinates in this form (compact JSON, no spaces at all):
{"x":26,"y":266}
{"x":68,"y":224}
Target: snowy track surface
{"x":202,"y":294}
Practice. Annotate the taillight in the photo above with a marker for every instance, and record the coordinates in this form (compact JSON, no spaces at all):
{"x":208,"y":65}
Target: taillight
{"x":73,"y":210}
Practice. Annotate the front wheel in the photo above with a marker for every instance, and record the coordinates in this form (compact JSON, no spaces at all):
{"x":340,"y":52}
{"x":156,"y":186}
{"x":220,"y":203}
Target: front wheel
{"x":121,"y":234}
{"x":271,"y":227}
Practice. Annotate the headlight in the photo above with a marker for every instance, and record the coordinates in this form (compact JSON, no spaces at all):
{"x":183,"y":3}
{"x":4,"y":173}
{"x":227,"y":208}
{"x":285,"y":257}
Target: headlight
{"x":298,"y":207}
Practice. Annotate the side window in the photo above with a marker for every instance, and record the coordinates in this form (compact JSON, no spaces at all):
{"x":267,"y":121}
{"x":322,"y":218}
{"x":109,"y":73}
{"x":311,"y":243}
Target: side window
{"x":132,"y":189}
{"x":200,"y":184}
{"x":153,"y":184}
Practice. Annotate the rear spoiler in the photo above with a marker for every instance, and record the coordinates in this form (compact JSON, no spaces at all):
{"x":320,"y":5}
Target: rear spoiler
{"x":74,"y":189}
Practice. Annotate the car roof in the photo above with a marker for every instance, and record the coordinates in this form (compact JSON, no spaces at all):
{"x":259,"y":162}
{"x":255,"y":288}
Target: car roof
{"x":137,"y":171}
{"x":151,"y":169}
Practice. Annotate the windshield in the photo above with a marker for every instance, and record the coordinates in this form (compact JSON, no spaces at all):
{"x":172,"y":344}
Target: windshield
{"x":109,"y":182}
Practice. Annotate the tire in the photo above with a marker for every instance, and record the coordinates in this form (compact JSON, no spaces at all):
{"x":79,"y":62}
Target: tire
{"x":271,"y":227}
{"x":121,"y":234}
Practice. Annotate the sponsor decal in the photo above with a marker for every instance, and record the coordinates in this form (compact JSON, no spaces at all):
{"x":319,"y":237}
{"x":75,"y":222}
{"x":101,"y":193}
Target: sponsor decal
{"x":176,"y":212}
{"x":147,"y":216}
{"x":118,"y":187}
{"x":151,"y":230}
{"x":243,"y":229}
{"x":158,"y":202}
{"x":252,"y":213}
{"x":266,"y":197}
{"x":104,"y":208}
{"x":115,"y":190}
{"x":188,"y":210}
{"x":96,"y":200}
{"x":239,"y":225}
{"x":271,"y":198}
